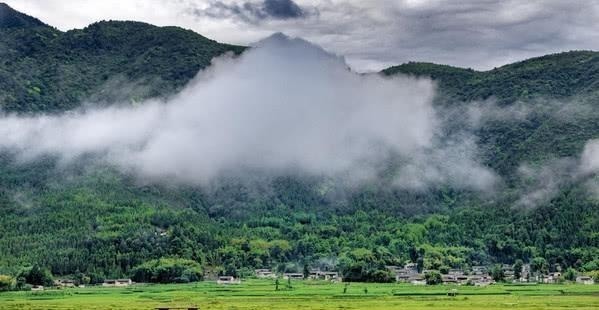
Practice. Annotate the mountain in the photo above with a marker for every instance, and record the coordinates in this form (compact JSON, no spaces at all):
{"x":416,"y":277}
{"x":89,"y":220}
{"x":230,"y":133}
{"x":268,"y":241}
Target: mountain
{"x":46,"y":70}
{"x":551,"y":81}
{"x":535,"y":118}
{"x":10,"y":18}
{"x":552,"y":76}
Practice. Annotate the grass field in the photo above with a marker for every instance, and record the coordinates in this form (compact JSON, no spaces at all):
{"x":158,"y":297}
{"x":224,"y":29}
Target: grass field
{"x":257,"y":294}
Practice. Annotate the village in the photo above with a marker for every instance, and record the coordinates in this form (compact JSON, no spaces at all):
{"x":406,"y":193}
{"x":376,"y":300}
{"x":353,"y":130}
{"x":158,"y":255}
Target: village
{"x":409,"y":273}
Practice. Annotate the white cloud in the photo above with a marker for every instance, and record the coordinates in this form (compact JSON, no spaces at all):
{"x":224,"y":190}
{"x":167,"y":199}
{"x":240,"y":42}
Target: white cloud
{"x":284,"y":106}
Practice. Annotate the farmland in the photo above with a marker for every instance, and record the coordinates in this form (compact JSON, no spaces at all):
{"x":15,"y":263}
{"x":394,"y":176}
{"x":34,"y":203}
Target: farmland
{"x":261,"y":294}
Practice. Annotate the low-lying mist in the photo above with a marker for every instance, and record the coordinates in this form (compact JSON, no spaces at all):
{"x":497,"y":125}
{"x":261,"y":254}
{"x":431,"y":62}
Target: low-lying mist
{"x":284,"y":106}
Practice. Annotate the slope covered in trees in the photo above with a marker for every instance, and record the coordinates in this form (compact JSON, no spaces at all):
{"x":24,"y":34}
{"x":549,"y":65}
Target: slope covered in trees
{"x":93,"y":220}
{"x":46,"y":70}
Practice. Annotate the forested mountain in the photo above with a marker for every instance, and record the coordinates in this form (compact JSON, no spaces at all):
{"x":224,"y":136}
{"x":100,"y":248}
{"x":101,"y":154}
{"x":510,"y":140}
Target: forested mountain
{"x":9,"y":18}
{"x":94,"y":220}
{"x":46,"y":70}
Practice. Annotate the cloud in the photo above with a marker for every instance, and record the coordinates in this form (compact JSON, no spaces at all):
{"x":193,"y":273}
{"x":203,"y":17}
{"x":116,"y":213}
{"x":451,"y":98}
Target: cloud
{"x":540,"y":183}
{"x":590,"y":157}
{"x":371,"y":34}
{"x":282,"y":9}
{"x":283,"y":107}
{"x":253,"y":12}
{"x":453,"y":162}
{"x":589,"y":166}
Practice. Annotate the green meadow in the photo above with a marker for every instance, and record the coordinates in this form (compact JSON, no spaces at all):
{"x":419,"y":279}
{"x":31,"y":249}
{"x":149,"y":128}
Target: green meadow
{"x":259,"y":294}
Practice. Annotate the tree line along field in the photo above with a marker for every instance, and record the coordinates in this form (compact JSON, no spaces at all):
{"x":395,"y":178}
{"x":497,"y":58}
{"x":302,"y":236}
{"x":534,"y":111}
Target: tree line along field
{"x":261,"y":294}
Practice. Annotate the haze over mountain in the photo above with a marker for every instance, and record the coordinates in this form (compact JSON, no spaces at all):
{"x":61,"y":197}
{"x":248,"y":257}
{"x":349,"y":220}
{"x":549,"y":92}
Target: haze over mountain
{"x":116,"y":151}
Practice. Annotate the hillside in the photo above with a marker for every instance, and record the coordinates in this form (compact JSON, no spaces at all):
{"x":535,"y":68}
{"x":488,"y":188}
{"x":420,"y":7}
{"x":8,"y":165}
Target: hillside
{"x":552,"y":76}
{"x":10,"y":18}
{"x":45,"y":70}
{"x":95,"y":220}
{"x":540,"y":86}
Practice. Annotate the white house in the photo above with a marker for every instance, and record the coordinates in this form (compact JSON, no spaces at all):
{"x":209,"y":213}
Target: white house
{"x":228,"y":280}
{"x":298,"y":276}
{"x":585,"y":280}
{"x":265,"y":273}
{"x":117,"y":282}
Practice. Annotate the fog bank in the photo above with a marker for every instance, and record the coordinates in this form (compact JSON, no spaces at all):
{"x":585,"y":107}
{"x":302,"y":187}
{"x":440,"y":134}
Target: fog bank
{"x":285,"y":106}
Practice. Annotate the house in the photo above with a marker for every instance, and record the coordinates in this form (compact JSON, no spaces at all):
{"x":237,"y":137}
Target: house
{"x":332,"y":276}
{"x":525,"y":274}
{"x":479,"y":270}
{"x":265,"y":273}
{"x":417,"y":279}
{"x":449,"y":279}
{"x":64,"y":283}
{"x":412,"y":267}
{"x":290,"y":275}
{"x":316,"y":274}
{"x":117,"y":282}
{"x":403,"y":276}
{"x":228,"y":280}
{"x":456,"y":272}
{"x":552,"y":278}
{"x":480,"y":280}
{"x":461,"y":279}
{"x":508,"y":272}
{"x":454,"y":279}
{"x":585,"y":280}
{"x":37,"y":288}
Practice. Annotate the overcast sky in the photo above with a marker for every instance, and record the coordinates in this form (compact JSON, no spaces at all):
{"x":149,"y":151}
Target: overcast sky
{"x":371,"y":34}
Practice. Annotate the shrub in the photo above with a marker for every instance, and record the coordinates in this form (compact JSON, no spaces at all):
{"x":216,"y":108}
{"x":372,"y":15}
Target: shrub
{"x":168,"y":270}
{"x":433,"y":278}
{"x":36,"y":276}
{"x":7,"y":283}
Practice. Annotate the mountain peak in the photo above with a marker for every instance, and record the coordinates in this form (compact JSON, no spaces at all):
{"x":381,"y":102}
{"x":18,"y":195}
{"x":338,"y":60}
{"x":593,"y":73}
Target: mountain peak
{"x":11,"y":18}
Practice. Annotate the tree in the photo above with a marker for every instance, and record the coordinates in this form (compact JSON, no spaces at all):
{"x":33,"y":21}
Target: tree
{"x":420,"y":264}
{"x":497,"y":273}
{"x":168,"y":270}
{"x":518,"y":269}
{"x":570,"y":274}
{"x":539,"y":265}
{"x":36,"y":276}
{"x":306,"y":271}
{"x":433,"y":278}
{"x":20,"y":283}
{"x":7,"y":283}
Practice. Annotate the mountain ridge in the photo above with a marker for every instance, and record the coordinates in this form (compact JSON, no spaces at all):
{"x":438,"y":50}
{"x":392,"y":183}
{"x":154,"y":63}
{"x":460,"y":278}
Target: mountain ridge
{"x":95,"y":220}
{"x":10,"y":18}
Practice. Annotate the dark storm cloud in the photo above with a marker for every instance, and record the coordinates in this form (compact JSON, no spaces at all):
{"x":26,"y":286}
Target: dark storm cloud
{"x":282,"y":9}
{"x":253,"y":12}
